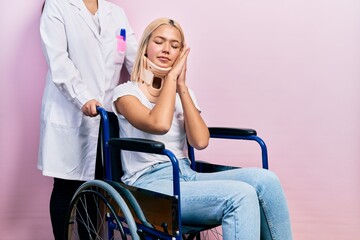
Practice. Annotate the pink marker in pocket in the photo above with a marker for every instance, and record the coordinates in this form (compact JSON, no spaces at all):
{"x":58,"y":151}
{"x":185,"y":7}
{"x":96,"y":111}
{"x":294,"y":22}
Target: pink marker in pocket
{"x":121,"y":41}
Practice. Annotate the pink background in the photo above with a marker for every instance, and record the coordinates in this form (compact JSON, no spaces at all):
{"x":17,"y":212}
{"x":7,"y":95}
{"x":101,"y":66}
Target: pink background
{"x":290,"y":69}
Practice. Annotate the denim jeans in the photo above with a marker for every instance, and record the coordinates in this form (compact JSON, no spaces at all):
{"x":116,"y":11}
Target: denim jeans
{"x":249,"y":203}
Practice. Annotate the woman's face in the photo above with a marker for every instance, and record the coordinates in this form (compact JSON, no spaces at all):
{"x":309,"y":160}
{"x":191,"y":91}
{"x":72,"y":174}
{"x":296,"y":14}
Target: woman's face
{"x":164,"y":46}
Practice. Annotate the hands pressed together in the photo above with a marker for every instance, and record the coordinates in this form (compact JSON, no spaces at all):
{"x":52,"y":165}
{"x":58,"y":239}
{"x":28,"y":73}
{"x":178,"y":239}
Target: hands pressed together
{"x":178,"y":71}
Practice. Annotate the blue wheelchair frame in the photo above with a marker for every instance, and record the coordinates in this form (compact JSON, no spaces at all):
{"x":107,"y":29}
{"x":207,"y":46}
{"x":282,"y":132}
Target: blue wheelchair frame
{"x":150,"y":146}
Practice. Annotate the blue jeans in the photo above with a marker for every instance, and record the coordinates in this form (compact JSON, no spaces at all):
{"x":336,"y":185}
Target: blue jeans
{"x":249,"y":203}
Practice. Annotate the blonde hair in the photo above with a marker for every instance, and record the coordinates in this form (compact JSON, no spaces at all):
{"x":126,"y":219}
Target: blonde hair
{"x":145,"y":38}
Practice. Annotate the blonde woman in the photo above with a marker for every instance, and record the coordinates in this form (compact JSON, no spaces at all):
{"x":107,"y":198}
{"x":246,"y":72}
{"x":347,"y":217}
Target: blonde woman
{"x":157,"y":104}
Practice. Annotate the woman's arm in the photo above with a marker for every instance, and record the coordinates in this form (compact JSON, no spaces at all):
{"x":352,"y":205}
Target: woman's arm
{"x":197,"y":131}
{"x":157,"y":120}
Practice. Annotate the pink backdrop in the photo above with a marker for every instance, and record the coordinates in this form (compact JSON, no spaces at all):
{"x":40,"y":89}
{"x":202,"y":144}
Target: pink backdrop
{"x":290,"y":69}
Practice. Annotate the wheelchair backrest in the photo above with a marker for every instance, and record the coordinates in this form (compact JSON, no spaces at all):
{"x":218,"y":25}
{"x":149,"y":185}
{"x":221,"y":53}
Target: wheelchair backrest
{"x":115,"y":156}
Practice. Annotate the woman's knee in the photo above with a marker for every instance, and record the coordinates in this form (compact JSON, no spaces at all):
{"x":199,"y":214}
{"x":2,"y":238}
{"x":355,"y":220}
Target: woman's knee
{"x":244,"y":195}
{"x":243,"y":205}
{"x":270,"y":176}
{"x":265,"y":177}
{"x":267,"y":184}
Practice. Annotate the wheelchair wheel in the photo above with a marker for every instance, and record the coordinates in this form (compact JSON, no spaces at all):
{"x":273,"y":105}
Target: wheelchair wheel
{"x":97,"y":211}
{"x":211,"y":234}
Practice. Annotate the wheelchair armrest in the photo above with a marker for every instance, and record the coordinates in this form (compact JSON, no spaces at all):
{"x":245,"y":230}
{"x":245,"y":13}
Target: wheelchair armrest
{"x":239,"y":133}
{"x":236,"y":132}
{"x":149,"y":146}
{"x":137,"y":144}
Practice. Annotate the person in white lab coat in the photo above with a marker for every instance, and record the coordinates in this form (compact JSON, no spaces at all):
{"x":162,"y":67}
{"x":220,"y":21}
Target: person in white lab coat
{"x":86,"y":43}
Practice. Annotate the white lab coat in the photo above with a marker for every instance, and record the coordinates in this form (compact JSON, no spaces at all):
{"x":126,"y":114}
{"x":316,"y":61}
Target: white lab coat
{"x":83,"y":65}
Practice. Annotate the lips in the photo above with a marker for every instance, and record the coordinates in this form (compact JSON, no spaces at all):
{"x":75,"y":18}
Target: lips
{"x":164,"y":59}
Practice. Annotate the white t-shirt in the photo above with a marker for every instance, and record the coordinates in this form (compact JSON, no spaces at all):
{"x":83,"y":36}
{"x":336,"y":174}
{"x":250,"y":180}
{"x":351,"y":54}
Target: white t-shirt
{"x":134,"y":163}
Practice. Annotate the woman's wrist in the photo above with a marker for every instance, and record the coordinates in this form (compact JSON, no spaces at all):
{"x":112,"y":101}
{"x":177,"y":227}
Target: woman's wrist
{"x":171,"y":78}
{"x":182,"y":88}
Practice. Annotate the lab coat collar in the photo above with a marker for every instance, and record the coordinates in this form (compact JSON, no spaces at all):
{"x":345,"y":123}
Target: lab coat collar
{"x":103,"y":12}
{"x":77,"y":3}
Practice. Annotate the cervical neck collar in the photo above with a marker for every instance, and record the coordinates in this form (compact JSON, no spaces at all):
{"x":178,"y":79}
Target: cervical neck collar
{"x":152,"y":79}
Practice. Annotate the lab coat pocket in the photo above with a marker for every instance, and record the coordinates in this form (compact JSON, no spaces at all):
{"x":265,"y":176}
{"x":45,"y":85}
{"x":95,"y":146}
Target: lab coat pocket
{"x":63,"y":114}
{"x":120,"y":50}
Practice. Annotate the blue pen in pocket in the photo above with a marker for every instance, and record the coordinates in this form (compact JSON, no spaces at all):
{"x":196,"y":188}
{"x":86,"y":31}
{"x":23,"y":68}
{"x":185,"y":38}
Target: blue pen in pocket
{"x":123,"y":33}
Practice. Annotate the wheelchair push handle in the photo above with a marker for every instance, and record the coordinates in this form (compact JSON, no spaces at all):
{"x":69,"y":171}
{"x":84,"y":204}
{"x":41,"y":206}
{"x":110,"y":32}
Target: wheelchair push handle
{"x":101,"y":111}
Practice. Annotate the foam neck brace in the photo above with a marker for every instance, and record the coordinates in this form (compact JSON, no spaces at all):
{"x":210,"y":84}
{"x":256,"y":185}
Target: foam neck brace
{"x":152,"y":79}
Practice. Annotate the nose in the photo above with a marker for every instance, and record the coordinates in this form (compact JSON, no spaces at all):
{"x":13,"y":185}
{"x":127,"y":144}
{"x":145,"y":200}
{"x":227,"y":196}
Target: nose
{"x":166,"y":48}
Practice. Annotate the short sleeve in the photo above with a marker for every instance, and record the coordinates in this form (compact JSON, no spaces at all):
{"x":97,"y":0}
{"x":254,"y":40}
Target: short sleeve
{"x":128,"y":88}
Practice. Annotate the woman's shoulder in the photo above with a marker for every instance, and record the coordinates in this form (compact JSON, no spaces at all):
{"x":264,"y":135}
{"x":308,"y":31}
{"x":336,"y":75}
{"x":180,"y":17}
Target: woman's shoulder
{"x":127,"y":88}
{"x":129,"y":84}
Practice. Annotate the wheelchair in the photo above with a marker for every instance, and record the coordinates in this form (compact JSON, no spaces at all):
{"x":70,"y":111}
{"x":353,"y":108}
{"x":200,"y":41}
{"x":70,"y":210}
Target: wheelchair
{"x":106,"y":208}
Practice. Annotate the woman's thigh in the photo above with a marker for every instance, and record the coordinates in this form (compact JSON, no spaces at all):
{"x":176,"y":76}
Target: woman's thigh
{"x":207,"y":201}
{"x":256,"y":177}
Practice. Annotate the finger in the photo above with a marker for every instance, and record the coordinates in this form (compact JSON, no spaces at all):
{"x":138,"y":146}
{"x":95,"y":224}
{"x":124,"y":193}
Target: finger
{"x":84,"y":109}
{"x":185,"y":51}
{"x":93,"y":111}
{"x":184,"y":56}
{"x":182,"y":59}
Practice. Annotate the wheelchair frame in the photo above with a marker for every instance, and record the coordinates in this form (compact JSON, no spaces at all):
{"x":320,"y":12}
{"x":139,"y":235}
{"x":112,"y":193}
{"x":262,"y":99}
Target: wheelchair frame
{"x":122,"y":202}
